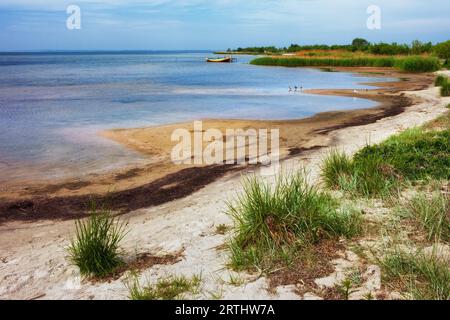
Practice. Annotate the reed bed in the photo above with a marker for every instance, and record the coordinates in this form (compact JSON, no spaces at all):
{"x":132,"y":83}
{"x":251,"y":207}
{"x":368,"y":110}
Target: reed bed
{"x":408,"y":63}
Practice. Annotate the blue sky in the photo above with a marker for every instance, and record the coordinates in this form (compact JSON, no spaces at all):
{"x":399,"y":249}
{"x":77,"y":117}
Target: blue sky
{"x":214,"y":24}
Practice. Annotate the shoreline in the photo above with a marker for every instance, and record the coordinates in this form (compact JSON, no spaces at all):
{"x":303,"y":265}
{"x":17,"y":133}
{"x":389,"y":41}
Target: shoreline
{"x":127,"y":190}
{"x":34,"y":253}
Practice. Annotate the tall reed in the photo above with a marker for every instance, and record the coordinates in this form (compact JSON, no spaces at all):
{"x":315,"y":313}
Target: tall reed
{"x":409,"y":64}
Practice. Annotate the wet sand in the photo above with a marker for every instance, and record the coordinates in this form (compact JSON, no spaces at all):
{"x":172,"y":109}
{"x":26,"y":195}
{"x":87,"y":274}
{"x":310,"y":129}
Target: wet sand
{"x":161,"y":181}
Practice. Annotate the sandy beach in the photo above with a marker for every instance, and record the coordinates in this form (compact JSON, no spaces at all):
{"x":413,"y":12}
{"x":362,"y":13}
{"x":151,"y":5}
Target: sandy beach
{"x":33,"y":261}
{"x":127,"y":189}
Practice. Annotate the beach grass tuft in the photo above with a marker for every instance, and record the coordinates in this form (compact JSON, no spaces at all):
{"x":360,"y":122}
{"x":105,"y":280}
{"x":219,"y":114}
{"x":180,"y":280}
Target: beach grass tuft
{"x":444,"y":83}
{"x":445,"y":88}
{"x":336,"y":168}
{"x":424,"y":276}
{"x":367,"y":177}
{"x":440,"y":79}
{"x":274,"y":224}
{"x":431,"y":214}
{"x":171,"y":288}
{"x":95,"y":249}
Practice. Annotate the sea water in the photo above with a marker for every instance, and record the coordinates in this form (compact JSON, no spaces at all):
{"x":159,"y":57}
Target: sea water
{"x":52,"y":105}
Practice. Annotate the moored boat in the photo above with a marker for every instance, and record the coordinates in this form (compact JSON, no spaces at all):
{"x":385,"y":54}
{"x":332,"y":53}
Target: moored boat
{"x":224,"y":59}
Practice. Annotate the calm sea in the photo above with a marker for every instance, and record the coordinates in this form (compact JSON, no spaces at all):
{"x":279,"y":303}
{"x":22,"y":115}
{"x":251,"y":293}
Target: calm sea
{"x":53,"y":104}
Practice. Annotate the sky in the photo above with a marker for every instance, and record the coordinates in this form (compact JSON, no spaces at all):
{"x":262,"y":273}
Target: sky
{"x":29,"y":25}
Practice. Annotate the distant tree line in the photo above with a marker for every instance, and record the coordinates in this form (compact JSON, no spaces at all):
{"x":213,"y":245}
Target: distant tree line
{"x":362,"y":45}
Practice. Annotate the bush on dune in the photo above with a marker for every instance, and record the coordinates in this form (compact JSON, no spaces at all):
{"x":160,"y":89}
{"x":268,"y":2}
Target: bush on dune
{"x":369,"y":176}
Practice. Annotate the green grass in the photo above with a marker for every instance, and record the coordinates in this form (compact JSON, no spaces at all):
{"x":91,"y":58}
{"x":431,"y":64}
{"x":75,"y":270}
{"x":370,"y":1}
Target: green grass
{"x":409,"y":64}
{"x":424,"y":277}
{"x":95,"y":248}
{"x":325,"y":62}
{"x":415,"y":154}
{"x":444,"y":83}
{"x":445,"y":89}
{"x":378,"y":170}
{"x":336,"y":168}
{"x":235,"y":280}
{"x":440,"y":79}
{"x":172,"y":288}
{"x":274,"y":224}
{"x":417,"y":64}
{"x":432,"y":214}
{"x":368,"y":176}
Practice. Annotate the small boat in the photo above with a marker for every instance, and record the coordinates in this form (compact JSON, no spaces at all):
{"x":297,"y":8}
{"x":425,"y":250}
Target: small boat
{"x":224,"y":59}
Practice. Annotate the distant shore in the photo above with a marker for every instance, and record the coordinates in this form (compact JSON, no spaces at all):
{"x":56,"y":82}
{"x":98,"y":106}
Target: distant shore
{"x":237,"y":53}
{"x":167,"y":181}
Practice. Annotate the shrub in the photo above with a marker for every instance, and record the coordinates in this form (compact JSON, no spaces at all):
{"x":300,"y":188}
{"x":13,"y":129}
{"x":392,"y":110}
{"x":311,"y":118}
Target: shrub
{"x":275,"y":224}
{"x":442,"y":50}
{"x":444,"y":83}
{"x":95,"y":248}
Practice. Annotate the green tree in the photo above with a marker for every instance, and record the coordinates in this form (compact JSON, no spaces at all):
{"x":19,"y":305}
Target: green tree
{"x":418,"y":47}
{"x":442,"y":50}
{"x":360,"y":42}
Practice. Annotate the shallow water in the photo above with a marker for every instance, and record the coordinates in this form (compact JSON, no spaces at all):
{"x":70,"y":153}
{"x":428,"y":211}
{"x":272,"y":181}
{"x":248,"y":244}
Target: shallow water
{"x":52,"y":105}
